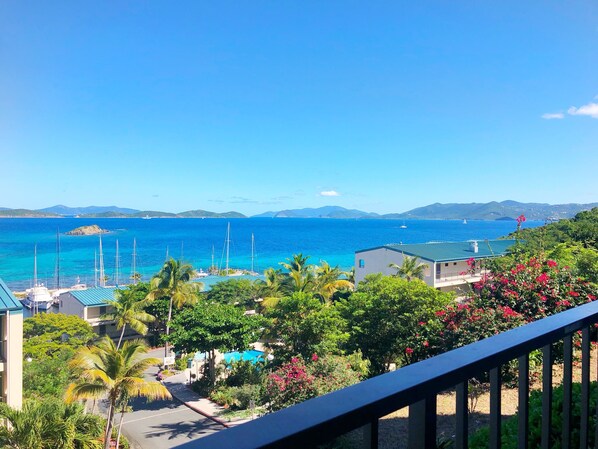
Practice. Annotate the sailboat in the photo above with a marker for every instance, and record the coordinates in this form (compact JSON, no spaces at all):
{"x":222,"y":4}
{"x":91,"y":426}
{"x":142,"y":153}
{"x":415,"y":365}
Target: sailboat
{"x":403,"y":226}
{"x":38,"y":297}
{"x":464,"y":221}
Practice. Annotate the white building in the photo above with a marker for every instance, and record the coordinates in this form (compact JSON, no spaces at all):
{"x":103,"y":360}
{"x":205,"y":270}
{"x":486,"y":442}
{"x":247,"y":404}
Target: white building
{"x":90,"y":304}
{"x":447,"y":268}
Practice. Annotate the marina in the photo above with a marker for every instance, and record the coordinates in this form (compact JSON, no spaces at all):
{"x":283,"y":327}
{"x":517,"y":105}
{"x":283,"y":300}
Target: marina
{"x":254,"y":244}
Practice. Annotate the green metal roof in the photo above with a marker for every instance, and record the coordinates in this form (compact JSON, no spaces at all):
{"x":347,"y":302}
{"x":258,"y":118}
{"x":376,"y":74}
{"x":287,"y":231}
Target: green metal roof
{"x":450,"y":251}
{"x":94,"y":296}
{"x":8,"y":302}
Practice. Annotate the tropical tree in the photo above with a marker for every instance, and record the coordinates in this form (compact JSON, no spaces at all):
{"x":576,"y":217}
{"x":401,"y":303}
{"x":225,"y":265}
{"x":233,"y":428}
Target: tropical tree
{"x":269,"y":289}
{"x":300,"y":275}
{"x":174,"y":282}
{"x":49,"y":425}
{"x":410,"y":269}
{"x":328,"y":282}
{"x":116,"y":374}
{"x":303,"y":325}
{"x":128,"y":310}
{"x":210,"y":326}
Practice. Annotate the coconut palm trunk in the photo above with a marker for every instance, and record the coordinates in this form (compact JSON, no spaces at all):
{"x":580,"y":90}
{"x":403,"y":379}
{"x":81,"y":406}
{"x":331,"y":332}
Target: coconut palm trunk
{"x":120,"y":424}
{"x":122,"y":334}
{"x":168,"y":327}
{"x":109,"y":424}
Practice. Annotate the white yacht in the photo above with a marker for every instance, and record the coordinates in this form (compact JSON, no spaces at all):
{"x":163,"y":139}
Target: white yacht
{"x":38,"y":297}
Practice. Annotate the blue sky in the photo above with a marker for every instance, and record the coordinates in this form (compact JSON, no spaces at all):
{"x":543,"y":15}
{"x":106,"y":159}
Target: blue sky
{"x":265,"y":105}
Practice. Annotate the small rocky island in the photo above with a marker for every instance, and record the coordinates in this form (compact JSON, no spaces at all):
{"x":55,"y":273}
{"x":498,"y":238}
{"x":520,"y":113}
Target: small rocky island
{"x":87,"y":230}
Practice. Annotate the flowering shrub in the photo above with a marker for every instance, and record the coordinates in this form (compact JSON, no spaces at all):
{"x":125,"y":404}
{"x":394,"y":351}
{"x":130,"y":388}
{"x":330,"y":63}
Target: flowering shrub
{"x":533,"y":289}
{"x":299,"y":380}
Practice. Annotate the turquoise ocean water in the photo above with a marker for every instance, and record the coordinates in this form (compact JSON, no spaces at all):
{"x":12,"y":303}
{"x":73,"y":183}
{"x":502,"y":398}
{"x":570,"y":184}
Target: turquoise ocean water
{"x":332,"y":240}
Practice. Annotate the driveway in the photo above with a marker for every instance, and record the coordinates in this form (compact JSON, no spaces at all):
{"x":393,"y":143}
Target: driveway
{"x":165,"y":423}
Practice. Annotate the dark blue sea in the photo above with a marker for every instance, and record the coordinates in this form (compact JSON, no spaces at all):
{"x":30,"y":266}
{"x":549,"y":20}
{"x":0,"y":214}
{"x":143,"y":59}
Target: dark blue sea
{"x":276,"y":239}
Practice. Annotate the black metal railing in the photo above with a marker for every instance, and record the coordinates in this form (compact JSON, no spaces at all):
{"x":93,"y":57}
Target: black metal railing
{"x":362,"y":405}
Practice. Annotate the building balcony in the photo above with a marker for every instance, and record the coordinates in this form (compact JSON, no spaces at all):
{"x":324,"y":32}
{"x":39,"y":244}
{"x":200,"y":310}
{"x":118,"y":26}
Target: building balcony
{"x":450,"y":278}
{"x":417,"y":386}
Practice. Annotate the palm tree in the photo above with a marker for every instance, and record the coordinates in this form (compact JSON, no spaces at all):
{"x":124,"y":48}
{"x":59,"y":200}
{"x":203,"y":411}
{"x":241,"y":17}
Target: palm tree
{"x":270,"y":288}
{"x":300,"y":276}
{"x":49,"y":424}
{"x":173,"y":281}
{"x":328,"y":283}
{"x":410,"y":269}
{"x":128,"y":310}
{"x":117,"y":374}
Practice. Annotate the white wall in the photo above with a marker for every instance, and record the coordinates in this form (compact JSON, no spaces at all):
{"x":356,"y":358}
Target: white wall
{"x":377,"y":261}
{"x":69,"y":305}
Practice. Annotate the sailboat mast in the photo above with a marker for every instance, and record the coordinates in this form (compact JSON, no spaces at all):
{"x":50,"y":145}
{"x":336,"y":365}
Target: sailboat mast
{"x":133,"y":268}
{"x":212,"y":267}
{"x":116,"y":267}
{"x":102,"y":279}
{"x":252,"y":250}
{"x":227,"y":246}
{"x":95,"y":269}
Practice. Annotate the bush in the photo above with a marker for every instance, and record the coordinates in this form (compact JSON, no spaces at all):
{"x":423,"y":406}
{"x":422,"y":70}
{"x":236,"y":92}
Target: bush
{"x":244,"y":372}
{"x":297,"y":381}
{"x":236,"y":398}
{"x":181,"y":363}
{"x":479,"y":440}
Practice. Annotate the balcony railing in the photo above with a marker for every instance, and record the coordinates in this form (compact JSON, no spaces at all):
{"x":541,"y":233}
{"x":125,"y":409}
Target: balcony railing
{"x":322,"y":419}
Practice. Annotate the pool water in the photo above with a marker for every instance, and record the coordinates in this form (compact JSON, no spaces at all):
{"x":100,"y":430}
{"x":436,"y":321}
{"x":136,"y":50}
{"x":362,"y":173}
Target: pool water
{"x":252,"y":355}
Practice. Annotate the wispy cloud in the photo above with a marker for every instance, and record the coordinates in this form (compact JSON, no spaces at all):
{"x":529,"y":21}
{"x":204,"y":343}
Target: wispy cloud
{"x":553,"y":115}
{"x":590,"y":109}
{"x":329,"y":193}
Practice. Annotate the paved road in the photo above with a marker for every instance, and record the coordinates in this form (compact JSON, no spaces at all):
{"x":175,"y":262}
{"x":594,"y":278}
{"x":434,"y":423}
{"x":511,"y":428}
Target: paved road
{"x":163,"y":424}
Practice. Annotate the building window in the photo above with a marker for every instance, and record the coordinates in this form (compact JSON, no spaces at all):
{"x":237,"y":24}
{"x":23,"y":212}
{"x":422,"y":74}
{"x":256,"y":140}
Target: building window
{"x":454,"y":263}
{"x":361,"y":263}
{"x":446,"y":264}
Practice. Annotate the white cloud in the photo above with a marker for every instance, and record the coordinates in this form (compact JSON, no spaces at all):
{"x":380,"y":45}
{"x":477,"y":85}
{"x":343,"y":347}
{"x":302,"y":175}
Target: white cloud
{"x":329,"y":193}
{"x":590,"y":109}
{"x":553,"y":115}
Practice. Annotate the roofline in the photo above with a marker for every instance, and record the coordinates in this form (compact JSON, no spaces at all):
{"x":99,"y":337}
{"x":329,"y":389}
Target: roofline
{"x":402,"y":251}
{"x":18,"y":306}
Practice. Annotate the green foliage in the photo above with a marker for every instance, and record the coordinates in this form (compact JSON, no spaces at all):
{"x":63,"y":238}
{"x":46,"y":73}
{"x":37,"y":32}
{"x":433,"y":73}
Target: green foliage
{"x":239,"y":292}
{"x":303,"y":325}
{"x":48,"y":334}
{"x":208,"y":326}
{"x":47,"y":376}
{"x":244,"y":372}
{"x":385,"y":314}
{"x":50,"y":425}
{"x":479,"y":440}
{"x":237,"y":398}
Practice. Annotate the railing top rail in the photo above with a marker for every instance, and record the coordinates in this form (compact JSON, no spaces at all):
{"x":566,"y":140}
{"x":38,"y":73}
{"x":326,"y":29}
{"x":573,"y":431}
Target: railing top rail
{"x":326,"y":417}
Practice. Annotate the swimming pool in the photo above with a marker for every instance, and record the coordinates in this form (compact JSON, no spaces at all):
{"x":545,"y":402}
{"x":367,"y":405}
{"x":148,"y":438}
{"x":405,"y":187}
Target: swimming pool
{"x":252,"y":355}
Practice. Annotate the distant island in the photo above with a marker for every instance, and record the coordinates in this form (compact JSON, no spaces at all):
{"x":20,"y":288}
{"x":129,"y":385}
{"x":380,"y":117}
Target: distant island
{"x":504,"y":210}
{"x":87,"y":230}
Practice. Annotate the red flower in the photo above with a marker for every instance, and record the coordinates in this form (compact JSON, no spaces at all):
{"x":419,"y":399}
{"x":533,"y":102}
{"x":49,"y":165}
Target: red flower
{"x":520,"y":219}
{"x":573,"y":293}
{"x":551,"y":263}
{"x":426,"y":343}
{"x":409,"y":351}
{"x":591,"y":297}
{"x":314,"y":357}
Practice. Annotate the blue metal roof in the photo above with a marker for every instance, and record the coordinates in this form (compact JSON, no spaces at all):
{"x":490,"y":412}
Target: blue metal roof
{"x":8,"y":302}
{"x":450,"y":251}
{"x":94,"y":296}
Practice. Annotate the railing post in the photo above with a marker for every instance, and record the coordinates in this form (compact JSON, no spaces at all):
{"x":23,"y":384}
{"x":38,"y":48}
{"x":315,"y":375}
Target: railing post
{"x":422,"y":424}
{"x":462,"y":431}
{"x":585,"y":389}
{"x":546,"y":396}
{"x":523,"y":409}
{"x":567,"y":389}
{"x":495,"y":409}
{"x":370,"y":435}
